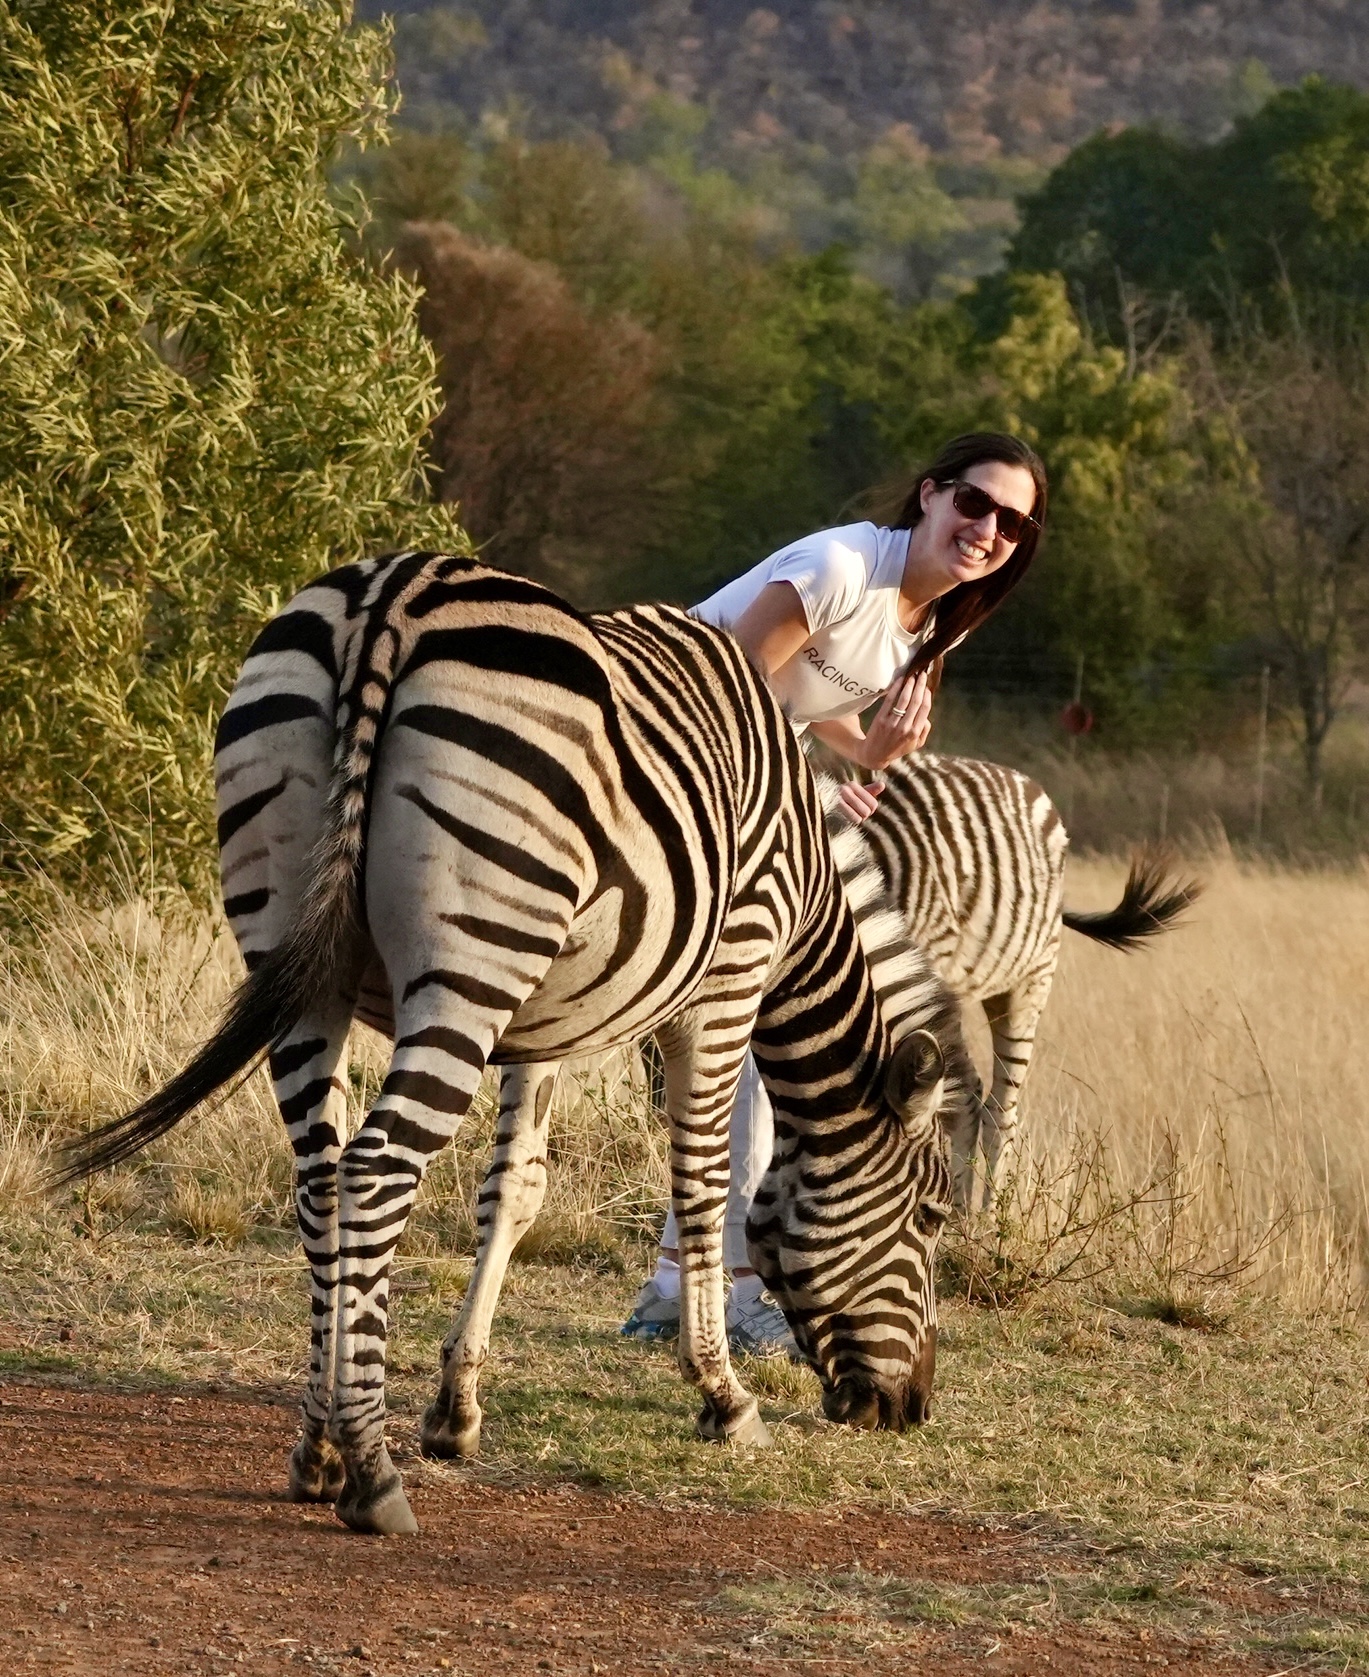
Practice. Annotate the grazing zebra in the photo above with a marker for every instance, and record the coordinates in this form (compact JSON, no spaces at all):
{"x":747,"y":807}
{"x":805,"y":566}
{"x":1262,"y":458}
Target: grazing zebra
{"x":453,"y":807}
{"x":973,"y":857}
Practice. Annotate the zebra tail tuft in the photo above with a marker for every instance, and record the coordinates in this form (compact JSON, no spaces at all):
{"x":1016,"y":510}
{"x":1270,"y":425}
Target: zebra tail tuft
{"x":316,"y":951}
{"x":265,"y":1005}
{"x":1152,"y":900}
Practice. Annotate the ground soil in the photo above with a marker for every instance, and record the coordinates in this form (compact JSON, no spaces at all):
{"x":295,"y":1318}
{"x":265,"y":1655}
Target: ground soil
{"x":146,"y":1533}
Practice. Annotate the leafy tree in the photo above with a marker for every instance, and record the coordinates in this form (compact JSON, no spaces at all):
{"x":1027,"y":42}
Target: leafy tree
{"x":744,"y":422}
{"x":1118,"y":441}
{"x":416,"y":177}
{"x":1288,"y":192}
{"x":204,"y":398}
{"x":1277,"y":209}
{"x":1121,"y":209}
{"x":550,"y":438}
{"x":905,"y":222}
{"x":1292,"y":540}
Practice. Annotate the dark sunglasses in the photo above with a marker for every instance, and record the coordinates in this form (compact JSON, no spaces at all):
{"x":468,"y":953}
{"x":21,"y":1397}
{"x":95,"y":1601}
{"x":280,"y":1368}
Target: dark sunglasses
{"x":971,"y":501}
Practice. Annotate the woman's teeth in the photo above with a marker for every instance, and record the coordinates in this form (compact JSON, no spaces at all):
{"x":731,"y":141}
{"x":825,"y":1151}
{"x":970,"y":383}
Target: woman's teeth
{"x":968,"y":550}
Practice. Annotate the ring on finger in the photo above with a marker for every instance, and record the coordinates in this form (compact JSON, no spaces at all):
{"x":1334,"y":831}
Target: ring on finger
{"x":898,"y":712}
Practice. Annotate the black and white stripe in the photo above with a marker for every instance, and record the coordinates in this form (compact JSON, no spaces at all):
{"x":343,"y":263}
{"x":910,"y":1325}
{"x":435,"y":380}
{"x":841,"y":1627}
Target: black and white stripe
{"x":455,"y":808}
{"x":973,"y":857}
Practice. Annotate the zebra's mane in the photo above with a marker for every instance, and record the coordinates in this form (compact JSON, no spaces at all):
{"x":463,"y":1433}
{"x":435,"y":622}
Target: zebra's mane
{"x":912,"y":995}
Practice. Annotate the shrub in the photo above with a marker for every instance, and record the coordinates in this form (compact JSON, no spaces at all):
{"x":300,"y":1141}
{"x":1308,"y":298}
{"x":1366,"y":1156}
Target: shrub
{"x":204,"y":398}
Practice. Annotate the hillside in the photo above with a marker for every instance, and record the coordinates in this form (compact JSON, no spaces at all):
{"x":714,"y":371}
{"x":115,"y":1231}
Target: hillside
{"x":977,"y":81}
{"x":904,"y":129}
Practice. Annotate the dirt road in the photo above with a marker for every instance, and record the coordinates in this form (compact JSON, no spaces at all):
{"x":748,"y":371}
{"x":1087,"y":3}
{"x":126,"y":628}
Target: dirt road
{"x":146,"y":1533}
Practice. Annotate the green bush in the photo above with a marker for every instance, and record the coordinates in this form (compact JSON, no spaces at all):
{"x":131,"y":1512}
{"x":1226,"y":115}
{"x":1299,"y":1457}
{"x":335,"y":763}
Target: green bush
{"x":205,"y":396}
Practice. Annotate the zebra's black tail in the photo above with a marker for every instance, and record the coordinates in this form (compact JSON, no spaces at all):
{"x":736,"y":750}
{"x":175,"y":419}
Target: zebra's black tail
{"x":314,"y":953}
{"x":1152,"y":900}
{"x":264,"y":1007}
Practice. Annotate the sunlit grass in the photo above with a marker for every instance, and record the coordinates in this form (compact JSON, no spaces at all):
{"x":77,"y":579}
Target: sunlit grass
{"x":1166,"y":1351}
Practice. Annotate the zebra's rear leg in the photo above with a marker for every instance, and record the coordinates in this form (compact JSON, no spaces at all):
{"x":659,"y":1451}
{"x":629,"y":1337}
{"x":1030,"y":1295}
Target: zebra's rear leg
{"x":1013,"y":1018}
{"x":509,"y":1200}
{"x":701,"y":1082}
{"x":309,"y":1071}
{"x":443,"y":1043}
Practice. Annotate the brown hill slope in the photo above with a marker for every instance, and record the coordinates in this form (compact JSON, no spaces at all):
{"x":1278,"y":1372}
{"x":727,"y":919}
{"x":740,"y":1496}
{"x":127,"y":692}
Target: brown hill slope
{"x":805,"y":82}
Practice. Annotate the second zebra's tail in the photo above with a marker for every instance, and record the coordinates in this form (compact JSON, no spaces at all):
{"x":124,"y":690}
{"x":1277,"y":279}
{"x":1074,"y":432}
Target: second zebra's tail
{"x":1152,"y":900}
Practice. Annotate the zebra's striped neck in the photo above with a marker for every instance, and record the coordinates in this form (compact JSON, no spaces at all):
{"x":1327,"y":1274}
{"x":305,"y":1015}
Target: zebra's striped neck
{"x":910,"y":993}
{"x":904,"y":995}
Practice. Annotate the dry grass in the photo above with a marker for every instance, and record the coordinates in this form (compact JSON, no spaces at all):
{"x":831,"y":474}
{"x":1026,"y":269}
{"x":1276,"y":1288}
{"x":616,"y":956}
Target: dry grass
{"x":1193,"y":1124}
{"x":1208,"y":1094}
{"x":97,"y":1007}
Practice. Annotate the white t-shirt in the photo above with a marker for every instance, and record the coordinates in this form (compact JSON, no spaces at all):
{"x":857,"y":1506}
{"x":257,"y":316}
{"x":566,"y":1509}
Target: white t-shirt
{"x":848,"y":581}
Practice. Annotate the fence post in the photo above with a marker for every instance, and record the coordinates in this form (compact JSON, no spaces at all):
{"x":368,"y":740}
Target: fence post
{"x":1261,"y":741}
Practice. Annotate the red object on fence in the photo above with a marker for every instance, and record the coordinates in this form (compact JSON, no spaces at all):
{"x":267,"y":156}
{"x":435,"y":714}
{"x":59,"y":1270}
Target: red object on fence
{"x":1075,"y":719}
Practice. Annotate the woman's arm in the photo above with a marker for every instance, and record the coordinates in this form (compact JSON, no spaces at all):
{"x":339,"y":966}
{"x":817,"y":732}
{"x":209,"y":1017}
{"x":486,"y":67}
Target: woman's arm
{"x":773,"y":627}
{"x":891,"y":735}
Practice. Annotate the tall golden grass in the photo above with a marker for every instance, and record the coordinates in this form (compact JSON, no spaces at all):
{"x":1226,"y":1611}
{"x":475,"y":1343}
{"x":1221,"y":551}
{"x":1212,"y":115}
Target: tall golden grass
{"x":98,"y":1006}
{"x":1194,"y":1121}
{"x":1218,"y":1076}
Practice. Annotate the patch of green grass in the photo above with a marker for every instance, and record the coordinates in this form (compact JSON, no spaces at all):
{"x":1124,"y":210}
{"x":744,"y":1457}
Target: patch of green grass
{"x":1247,"y":1442}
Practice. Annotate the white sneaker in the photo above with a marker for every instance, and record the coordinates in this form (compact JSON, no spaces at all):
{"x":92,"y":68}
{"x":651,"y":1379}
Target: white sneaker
{"x":654,"y":1316}
{"x":757,"y":1328}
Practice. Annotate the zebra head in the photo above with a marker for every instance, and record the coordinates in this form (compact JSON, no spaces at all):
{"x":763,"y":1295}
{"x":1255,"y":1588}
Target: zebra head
{"x":846,"y":1241}
{"x":844,"y":1228}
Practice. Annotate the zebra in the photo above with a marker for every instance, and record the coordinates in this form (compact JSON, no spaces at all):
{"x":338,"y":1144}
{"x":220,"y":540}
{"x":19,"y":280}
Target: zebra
{"x":973,"y":858}
{"x":452,"y":806}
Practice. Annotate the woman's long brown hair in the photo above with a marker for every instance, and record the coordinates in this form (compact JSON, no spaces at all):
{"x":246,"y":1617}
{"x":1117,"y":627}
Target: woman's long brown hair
{"x":968,"y":604}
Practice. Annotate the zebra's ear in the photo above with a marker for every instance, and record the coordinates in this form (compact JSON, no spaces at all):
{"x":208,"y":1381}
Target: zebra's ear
{"x":915,"y":1081}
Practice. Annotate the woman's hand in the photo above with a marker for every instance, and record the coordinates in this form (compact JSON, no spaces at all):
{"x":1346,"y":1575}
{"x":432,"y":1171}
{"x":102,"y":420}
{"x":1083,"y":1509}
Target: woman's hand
{"x":901,"y":723}
{"x":859,"y":801}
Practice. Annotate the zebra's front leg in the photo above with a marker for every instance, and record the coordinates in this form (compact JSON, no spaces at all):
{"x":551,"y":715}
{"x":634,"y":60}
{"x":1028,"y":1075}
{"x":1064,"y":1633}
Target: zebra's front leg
{"x":700,"y":1089}
{"x":1013,"y":1018}
{"x":510,"y":1198}
{"x":308,"y":1070}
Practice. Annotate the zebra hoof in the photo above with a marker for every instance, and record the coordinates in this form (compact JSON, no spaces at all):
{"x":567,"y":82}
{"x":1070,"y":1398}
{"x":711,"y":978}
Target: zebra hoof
{"x":383,"y":1512}
{"x":447,"y":1437}
{"x":753,"y":1432}
{"x":317,"y":1473}
{"x":748,"y":1429}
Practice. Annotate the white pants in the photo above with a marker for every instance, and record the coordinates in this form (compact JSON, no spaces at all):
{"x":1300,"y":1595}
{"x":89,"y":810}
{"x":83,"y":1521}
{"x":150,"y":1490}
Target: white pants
{"x":751,"y":1143}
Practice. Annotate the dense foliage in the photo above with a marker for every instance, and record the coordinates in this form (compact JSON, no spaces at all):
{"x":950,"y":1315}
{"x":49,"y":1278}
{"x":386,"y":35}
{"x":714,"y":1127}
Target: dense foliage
{"x":204,"y":399}
{"x":775,"y":218}
{"x":645,"y":408}
{"x":1274,"y":213}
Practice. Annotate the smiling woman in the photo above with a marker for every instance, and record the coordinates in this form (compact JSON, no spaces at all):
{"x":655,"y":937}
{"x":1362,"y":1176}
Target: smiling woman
{"x":836,"y":622}
{"x":837,"y":619}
